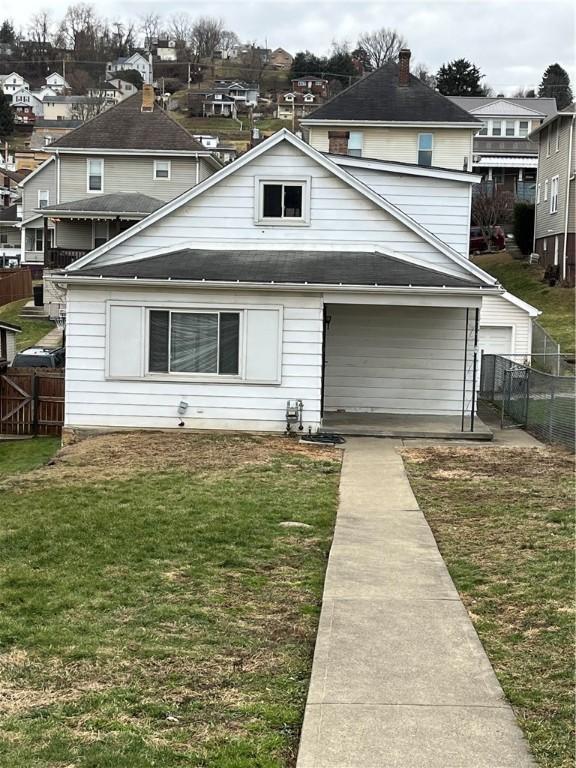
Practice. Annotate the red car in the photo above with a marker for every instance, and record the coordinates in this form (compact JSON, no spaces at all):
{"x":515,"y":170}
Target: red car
{"x":478,"y":244}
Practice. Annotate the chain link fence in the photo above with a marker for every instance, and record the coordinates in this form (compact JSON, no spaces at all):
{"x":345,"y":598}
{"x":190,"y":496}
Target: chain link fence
{"x":541,"y":403}
{"x":546,"y":354}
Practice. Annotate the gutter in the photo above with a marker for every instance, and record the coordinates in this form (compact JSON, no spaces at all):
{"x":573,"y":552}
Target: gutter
{"x":311,"y":123}
{"x":567,"y":206}
{"x":67,"y":279}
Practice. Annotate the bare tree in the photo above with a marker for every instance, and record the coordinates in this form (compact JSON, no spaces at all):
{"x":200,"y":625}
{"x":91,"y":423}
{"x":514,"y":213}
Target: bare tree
{"x":206,"y":36}
{"x":228,"y":40}
{"x":122,"y":38}
{"x":150,"y":26}
{"x":40,"y":29}
{"x":254,"y":62}
{"x":180,"y":28}
{"x":381,"y":46}
{"x":422,"y":72}
{"x":82,"y":30}
{"x":491,"y":207}
{"x":90,"y":107}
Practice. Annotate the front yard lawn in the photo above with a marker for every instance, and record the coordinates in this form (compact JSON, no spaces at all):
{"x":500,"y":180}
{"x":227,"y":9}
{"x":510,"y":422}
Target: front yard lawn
{"x":33,"y":329}
{"x":525,"y":281}
{"x":503,"y":519}
{"x":153,"y":610}
{"x":24,"y":455}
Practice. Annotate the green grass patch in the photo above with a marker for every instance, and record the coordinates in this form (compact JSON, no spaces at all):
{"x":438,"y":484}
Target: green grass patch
{"x":161,"y":616}
{"x":33,"y":329}
{"x":24,"y":455}
{"x":503,"y":519}
{"x":525,"y":281}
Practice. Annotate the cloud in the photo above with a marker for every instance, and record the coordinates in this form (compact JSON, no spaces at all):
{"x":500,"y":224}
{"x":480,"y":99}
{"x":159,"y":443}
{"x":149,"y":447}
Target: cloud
{"x":511,"y":41}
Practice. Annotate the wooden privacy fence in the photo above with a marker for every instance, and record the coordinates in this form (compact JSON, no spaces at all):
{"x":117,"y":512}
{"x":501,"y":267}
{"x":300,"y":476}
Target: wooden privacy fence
{"x":31,"y":401}
{"x":15,"y":284}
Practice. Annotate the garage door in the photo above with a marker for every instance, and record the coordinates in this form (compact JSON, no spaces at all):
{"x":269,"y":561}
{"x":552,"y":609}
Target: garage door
{"x":495,"y":340}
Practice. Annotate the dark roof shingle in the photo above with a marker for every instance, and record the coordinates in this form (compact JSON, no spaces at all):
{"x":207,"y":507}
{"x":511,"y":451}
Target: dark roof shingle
{"x":379,"y":97}
{"x":119,"y":202}
{"x":292,"y":267}
{"x":125,"y":126}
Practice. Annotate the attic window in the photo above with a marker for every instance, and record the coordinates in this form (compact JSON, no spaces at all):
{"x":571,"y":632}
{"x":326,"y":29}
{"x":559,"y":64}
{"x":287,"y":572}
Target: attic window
{"x":283,"y":202}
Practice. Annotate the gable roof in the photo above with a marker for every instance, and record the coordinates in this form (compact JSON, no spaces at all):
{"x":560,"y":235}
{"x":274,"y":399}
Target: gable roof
{"x":322,"y":160}
{"x":542,"y":106}
{"x":334,"y":268}
{"x":125,"y":126}
{"x":568,"y":112}
{"x":378,"y":97}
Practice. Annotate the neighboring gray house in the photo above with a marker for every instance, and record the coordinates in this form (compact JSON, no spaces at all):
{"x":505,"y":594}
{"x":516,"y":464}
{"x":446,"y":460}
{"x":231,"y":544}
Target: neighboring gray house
{"x":104,"y":176}
{"x":555,"y":228}
{"x":9,"y":234}
{"x":503,"y":153}
{"x":240,"y":91}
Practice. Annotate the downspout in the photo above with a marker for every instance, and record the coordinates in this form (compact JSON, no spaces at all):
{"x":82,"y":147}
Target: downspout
{"x":565,"y":243}
{"x":197,"y":169}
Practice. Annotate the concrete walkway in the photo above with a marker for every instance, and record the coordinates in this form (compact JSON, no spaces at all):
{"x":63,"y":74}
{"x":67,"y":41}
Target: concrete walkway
{"x":400,"y":679}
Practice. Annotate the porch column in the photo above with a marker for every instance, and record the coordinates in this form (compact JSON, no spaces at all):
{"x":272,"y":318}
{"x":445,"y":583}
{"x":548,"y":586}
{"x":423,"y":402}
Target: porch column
{"x":520,"y":174}
{"x":489,"y":174}
{"x":45,"y":240}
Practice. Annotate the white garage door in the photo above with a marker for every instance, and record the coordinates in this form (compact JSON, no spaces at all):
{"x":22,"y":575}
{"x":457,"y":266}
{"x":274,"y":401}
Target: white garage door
{"x":495,"y":340}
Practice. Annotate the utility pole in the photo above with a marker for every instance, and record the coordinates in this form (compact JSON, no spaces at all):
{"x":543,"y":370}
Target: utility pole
{"x":189,"y":75}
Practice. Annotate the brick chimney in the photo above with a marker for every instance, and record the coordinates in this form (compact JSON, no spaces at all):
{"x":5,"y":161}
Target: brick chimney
{"x":338,"y":142}
{"x":147,"y":98}
{"x":404,"y":64}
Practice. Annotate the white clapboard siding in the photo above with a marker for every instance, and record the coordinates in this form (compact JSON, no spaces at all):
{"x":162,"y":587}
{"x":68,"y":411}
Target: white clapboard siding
{"x":225,"y":214}
{"x":441,"y":205}
{"x":395,"y":360}
{"x":497,"y":311}
{"x":93,"y":400}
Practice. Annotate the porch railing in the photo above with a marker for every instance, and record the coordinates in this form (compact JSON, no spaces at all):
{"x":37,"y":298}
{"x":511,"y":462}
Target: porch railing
{"x":59,"y":258}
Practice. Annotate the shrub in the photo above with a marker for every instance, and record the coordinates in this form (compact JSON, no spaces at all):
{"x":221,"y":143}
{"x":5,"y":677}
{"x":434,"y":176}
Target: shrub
{"x":524,"y":226}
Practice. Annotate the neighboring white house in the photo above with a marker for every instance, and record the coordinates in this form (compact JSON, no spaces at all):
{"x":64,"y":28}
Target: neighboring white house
{"x":284,"y":276}
{"x":12,"y":83}
{"x":142,"y":64}
{"x":57,"y":82}
{"x":27,"y":99}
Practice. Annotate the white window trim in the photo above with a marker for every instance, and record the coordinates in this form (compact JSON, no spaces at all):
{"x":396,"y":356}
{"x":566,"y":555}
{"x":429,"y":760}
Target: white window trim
{"x":47,"y":193}
{"x":557,"y":148}
{"x":199,"y":377}
{"x":155,"y":170}
{"x":361,"y":134}
{"x":202,"y":375}
{"x":94,"y":191}
{"x":545,"y":190}
{"x":554,"y":185}
{"x":538,"y":188}
{"x":548,"y":142}
{"x":418,"y":150}
{"x":303,"y":221}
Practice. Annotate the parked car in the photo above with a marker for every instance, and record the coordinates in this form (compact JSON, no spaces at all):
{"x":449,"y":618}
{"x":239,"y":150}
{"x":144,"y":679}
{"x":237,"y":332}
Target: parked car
{"x":40,"y":357}
{"x":478,"y":243}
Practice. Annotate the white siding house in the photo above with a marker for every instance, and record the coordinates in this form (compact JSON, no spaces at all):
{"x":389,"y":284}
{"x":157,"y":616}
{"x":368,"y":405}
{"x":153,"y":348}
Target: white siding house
{"x":243,"y":293}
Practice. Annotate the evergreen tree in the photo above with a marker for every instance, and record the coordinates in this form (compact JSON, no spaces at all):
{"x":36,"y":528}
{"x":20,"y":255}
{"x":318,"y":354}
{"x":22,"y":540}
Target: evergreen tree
{"x":6,"y":117}
{"x":459,"y":78}
{"x":556,"y":85}
{"x":7,"y":34}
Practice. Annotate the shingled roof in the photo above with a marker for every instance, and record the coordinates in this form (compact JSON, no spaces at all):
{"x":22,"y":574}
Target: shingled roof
{"x":282,"y":267}
{"x":125,"y":126}
{"x":379,"y":97}
{"x":134,"y":203}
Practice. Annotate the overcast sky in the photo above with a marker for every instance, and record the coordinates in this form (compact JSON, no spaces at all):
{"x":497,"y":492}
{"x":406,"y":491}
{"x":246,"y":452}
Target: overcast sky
{"x":511,"y":41}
